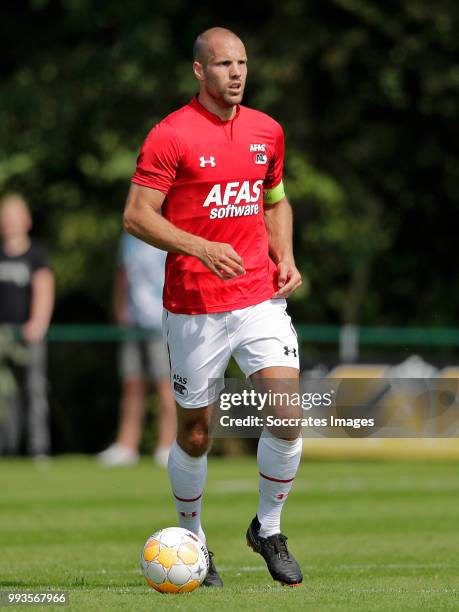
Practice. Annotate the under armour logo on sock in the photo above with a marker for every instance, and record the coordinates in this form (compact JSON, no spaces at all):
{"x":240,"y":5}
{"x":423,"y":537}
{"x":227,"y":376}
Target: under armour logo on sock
{"x":188,"y":514}
{"x":281,"y":495}
{"x":288,"y":350}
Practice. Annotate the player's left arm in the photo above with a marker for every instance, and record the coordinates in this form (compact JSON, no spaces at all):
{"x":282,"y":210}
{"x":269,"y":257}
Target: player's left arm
{"x":279,"y":223}
{"x":278,"y":219}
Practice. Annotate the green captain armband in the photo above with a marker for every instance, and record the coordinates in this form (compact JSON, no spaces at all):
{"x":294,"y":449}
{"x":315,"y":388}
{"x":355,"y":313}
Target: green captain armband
{"x":274,"y":195}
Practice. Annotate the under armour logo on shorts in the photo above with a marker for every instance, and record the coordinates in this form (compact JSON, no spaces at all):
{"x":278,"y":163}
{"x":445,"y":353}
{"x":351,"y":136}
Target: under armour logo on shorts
{"x":203,"y":162}
{"x":288,"y":350}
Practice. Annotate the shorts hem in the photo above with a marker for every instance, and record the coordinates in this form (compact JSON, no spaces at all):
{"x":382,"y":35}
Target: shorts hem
{"x":197,"y":405}
{"x":271,"y":364}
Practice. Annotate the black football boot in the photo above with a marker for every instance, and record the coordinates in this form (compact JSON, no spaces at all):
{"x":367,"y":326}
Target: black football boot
{"x":213,"y":577}
{"x":281,"y":564}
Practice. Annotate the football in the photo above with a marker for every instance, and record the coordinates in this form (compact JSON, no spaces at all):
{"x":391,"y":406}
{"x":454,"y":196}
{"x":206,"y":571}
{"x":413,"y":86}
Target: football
{"x":174,"y":560}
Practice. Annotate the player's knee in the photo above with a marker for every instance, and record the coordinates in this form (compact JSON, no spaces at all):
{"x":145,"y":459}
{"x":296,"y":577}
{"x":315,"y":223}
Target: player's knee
{"x":195,"y":441}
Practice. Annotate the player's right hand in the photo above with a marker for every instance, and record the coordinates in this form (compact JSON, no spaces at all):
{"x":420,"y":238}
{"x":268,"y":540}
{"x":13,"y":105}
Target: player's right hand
{"x":221,"y":259}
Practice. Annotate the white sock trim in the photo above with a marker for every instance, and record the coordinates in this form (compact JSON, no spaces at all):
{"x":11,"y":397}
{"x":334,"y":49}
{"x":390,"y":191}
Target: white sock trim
{"x":184,"y":459}
{"x":285,"y":447}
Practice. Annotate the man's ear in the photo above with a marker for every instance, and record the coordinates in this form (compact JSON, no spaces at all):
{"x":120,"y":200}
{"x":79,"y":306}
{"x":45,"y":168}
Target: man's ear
{"x":198,"y":70}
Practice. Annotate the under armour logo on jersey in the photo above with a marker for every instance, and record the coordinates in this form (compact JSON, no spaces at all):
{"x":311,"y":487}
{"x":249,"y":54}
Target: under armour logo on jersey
{"x":203,"y":162}
{"x":288,"y":350}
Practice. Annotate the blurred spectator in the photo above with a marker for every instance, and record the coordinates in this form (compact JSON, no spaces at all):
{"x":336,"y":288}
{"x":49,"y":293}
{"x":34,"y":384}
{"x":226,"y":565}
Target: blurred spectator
{"x":26,"y":301}
{"x":138,"y":290}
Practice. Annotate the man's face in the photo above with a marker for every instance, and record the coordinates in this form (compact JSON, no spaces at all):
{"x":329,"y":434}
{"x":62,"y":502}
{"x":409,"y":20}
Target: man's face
{"x":224,"y":71}
{"x":14,"y":219}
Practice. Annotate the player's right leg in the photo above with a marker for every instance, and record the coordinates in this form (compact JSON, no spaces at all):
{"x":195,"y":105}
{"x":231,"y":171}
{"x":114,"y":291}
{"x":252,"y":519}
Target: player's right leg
{"x":188,"y":466}
{"x":199,"y":350}
{"x":187,"y":472}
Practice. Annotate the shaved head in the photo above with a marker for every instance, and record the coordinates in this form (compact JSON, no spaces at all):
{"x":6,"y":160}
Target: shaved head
{"x":220,"y":66}
{"x":204,"y":44}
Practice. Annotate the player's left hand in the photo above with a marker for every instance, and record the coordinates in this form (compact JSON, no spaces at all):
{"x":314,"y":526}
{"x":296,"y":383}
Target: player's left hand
{"x":288,"y":278}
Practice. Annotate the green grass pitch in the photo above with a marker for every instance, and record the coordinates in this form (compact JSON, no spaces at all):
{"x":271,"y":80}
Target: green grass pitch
{"x":369,"y":535}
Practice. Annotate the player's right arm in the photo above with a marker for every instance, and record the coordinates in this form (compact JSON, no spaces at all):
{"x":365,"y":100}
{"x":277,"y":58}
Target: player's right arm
{"x":143,"y":219}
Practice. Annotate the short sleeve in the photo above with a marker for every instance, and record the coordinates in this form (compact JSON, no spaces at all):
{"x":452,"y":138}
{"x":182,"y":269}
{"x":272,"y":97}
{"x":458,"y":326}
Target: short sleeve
{"x":276,"y":163}
{"x":158,"y":159}
{"x":38,"y":257}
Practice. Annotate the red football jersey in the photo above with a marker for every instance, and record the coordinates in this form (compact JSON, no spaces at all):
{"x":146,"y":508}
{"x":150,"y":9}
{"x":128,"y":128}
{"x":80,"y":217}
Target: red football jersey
{"x":213,"y":173}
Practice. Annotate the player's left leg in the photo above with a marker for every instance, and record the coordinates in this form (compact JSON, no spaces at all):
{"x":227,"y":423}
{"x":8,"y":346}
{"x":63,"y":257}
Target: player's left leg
{"x":267,"y":351}
{"x":278,"y":460}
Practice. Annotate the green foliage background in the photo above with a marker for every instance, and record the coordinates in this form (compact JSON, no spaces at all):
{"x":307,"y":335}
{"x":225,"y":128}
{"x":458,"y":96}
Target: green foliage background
{"x":367,"y":93}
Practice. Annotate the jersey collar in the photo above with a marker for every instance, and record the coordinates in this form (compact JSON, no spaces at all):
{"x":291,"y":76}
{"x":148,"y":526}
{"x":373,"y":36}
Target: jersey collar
{"x":211,"y":116}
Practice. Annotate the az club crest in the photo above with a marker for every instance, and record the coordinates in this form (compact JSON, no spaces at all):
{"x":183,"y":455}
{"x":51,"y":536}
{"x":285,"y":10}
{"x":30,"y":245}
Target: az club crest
{"x":260,"y":159}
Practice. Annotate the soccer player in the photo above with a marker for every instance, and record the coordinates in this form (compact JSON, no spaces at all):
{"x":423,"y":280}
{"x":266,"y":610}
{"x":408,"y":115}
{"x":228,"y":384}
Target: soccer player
{"x":214,"y":170}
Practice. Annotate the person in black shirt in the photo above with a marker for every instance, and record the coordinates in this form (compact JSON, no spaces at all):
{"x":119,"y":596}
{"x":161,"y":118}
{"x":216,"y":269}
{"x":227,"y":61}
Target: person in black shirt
{"x":26,"y":301}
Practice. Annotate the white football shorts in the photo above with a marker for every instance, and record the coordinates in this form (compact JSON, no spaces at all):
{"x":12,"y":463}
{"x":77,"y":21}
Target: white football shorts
{"x":200,"y":347}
